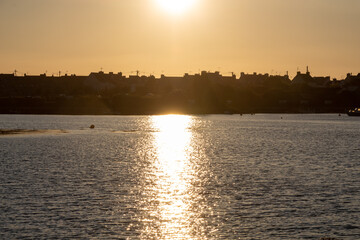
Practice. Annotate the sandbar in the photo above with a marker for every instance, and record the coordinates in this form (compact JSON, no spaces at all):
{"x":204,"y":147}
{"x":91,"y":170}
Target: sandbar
{"x":28,"y":131}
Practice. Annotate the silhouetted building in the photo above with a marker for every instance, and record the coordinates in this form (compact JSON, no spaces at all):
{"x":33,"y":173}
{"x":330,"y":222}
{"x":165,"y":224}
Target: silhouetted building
{"x":100,"y":81}
{"x":264,"y":80}
{"x":307,"y":79}
{"x":207,"y":92}
{"x":6,"y":76}
{"x":352,"y":79}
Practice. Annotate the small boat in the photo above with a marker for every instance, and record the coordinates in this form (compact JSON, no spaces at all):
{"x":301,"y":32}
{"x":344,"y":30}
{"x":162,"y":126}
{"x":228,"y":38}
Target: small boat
{"x":354,"y":112}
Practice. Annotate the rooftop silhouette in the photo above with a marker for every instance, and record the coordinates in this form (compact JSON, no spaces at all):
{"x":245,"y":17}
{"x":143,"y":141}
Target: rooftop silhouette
{"x":201,"y":93}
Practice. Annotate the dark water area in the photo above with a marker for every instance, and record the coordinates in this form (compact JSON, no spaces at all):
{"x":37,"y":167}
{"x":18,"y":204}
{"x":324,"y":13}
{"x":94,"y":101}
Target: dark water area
{"x":180,"y":177}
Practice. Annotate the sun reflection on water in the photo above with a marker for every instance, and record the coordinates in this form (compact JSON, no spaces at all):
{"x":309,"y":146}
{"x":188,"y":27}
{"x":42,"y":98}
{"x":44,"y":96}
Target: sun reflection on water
{"x":172,"y":142}
{"x":171,"y":177}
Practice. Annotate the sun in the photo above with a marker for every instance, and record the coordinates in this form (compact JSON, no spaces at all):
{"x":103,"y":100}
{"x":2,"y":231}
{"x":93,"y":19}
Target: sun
{"x":176,"y":6}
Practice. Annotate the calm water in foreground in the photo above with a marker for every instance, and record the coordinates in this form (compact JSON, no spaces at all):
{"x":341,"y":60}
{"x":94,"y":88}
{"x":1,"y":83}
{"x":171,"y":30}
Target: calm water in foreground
{"x":181,"y":177}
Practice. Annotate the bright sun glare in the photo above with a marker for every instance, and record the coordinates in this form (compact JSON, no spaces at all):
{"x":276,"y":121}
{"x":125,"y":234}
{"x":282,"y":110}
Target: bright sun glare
{"x":176,"y":6}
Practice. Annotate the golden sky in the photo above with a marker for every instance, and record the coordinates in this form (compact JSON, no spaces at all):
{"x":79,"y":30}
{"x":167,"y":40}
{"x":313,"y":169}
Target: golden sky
{"x":274,"y":36}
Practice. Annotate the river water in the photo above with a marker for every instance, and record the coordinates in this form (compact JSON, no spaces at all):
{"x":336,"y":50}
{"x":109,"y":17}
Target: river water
{"x":181,"y":177}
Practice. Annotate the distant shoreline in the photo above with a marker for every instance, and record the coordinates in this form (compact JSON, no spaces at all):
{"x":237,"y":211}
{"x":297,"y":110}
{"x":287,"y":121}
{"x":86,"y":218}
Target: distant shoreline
{"x":204,"y":93}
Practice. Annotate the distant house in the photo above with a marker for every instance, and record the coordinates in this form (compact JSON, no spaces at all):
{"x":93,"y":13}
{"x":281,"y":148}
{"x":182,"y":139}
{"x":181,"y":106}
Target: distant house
{"x":322,"y":81}
{"x":278,"y":80}
{"x":213,"y":76}
{"x":101,"y":81}
{"x":352,"y":79}
{"x":216,"y":77}
{"x":6,"y":76}
{"x":135,"y":82}
{"x":253,"y":79}
{"x":176,"y":83}
{"x":352,"y":82}
{"x":264,"y":80}
{"x":307,"y":79}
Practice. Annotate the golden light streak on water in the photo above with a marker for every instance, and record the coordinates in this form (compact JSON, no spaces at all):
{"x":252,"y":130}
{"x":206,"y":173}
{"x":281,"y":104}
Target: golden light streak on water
{"x":171,"y":177}
{"x":173,"y":168}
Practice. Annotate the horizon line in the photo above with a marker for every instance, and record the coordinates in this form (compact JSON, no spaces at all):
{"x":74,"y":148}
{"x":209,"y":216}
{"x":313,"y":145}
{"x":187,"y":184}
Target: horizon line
{"x":147,"y":74}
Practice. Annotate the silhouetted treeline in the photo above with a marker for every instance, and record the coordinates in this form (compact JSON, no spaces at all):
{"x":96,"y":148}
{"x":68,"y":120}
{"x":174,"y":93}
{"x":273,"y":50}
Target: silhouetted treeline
{"x":204,"y":93}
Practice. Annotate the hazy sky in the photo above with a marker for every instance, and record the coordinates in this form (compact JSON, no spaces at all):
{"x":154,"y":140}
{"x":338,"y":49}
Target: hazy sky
{"x":275,"y":36}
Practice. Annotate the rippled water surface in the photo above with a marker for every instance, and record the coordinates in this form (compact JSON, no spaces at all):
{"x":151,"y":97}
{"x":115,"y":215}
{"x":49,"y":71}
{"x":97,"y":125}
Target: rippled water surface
{"x":181,"y":177}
